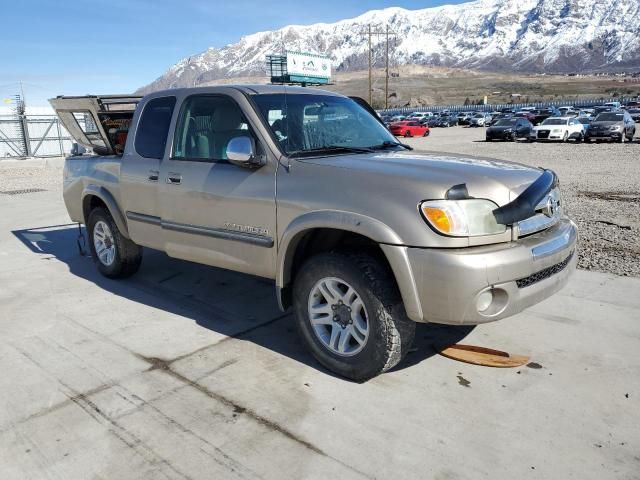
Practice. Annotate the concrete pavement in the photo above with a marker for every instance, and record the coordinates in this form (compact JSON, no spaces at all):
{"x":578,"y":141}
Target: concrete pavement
{"x":186,"y":371}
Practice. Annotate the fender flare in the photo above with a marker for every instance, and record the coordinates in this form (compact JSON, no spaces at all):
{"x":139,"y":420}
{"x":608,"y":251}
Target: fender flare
{"x":108,"y":199}
{"x":351,"y":222}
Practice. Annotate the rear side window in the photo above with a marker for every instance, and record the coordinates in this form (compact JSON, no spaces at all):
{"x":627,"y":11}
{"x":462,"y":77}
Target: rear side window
{"x":151,"y":136}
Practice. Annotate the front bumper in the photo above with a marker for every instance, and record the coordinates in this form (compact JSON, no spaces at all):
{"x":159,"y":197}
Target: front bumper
{"x":606,"y":135}
{"x":499,"y":135}
{"x":448,"y":284}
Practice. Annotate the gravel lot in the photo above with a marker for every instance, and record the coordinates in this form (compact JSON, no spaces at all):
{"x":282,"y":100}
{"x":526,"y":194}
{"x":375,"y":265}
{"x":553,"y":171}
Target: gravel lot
{"x":600,"y":185}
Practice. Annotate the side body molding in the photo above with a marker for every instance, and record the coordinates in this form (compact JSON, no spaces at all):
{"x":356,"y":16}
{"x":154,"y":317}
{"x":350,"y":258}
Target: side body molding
{"x":351,"y":222}
{"x":108,"y":199}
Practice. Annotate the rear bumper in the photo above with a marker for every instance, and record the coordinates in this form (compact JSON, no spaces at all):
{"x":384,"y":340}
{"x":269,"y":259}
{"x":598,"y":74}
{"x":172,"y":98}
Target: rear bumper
{"x":449,"y":285}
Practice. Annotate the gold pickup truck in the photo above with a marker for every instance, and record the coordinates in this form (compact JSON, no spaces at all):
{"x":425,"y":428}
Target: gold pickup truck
{"x":362,"y":236}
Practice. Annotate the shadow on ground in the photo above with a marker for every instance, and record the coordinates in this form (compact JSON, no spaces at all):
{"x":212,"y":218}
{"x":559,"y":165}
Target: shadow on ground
{"x":229,"y":303}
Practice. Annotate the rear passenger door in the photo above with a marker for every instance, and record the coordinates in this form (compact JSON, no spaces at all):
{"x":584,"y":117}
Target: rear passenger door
{"x":215,"y":212}
{"x":140,"y":170}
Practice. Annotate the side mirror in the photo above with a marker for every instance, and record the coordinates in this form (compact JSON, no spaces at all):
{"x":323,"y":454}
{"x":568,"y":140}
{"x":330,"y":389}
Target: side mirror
{"x":242,"y":151}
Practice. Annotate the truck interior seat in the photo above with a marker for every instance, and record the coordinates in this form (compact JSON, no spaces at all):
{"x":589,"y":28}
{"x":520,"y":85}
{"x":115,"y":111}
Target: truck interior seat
{"x":228,"y":123}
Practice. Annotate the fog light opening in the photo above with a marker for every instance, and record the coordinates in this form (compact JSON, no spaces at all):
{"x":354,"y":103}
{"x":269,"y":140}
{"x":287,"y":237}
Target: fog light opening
{"x":491,"y":302}
{"x":484,"y":300}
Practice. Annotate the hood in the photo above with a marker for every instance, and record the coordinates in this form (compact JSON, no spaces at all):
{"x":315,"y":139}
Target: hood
{"x":549,"y":127}
{"x":607,"y":123}
{"x":501,"y":128}
{"x":429,"y":176}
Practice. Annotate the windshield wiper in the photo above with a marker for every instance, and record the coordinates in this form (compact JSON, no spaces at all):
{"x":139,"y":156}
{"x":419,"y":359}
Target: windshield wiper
{"x":388,"y":144}
{"x":331,"y":149}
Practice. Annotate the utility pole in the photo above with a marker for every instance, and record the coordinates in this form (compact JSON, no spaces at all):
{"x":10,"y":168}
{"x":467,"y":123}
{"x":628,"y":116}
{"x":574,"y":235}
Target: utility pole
{"x":387,"y":33}
{"x":386,"y":73}
{"x":370,"y":66}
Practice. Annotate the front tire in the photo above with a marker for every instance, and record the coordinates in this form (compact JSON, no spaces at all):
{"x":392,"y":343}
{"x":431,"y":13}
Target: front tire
{"x":349,"y":314}
{"x":407,"y":134}
{"x":115,"y":255}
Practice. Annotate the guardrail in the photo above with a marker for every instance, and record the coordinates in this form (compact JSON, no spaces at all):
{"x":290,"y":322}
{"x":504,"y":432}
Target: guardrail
{"x":33,"y":136}
{"x":579,"y":103}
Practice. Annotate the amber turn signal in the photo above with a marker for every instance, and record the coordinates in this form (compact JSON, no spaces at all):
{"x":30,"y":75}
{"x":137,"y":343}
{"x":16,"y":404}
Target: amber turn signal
{"x":438,"y":218}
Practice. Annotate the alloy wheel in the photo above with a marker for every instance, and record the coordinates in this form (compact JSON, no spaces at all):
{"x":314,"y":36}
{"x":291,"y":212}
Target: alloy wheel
{"x":338,"y":316}
{"x":104,"y":243}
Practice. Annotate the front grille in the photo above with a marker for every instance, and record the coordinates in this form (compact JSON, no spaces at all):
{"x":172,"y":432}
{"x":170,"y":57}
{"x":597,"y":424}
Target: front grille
{"x":544,"y":274}
{"x":543,"y":133}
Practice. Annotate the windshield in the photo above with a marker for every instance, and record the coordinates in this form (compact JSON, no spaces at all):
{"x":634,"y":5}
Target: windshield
{"x":309,"y":123}
{"x":506,"y":122}
{"x":610,"y":117}
{"x":555,"y":121}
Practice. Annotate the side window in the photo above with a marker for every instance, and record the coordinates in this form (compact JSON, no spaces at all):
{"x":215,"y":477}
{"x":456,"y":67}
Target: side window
{"x":206,"y":125}
{"x":151,"y":136}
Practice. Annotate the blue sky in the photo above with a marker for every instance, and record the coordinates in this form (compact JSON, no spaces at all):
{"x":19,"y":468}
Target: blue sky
{"x":74,"y":47}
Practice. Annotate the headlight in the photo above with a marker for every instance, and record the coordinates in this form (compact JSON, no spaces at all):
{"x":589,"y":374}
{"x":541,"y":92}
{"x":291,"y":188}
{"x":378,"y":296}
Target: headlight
{"x":615,"y":128}
{"x":508,"y":130}
{"x":462,"y":218}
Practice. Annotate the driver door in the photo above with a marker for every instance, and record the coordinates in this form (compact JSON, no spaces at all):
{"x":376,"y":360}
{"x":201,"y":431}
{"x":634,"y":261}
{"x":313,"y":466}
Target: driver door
{"x":215,"y":212}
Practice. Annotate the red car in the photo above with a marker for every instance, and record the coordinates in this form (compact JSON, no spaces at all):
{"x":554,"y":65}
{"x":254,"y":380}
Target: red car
{"x":409,"y":129}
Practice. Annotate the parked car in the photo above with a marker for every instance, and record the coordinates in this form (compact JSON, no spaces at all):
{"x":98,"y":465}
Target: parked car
{"x":501,"y":116}
{"x":480,"y":120}
{"x":635,"y":114}
{"x":464,"y":117}
{"x":420,"y":116}
{"x":447,"y":121}
{"x":559,"y":129}
{"x":543,"y":113}
{"x":409,"y":129}
{"x":586,"y":123}
{"x":602,"y":108}
{"x":441,"y":246}
{"x":509,"y":129}
{"x":525,"y":114}
{"x":612,"y":126}
{"x":568,"y":112}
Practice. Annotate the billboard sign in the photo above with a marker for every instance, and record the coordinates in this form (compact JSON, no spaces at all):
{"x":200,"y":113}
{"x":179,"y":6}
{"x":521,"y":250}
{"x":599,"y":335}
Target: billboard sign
{"x":306,"y":67}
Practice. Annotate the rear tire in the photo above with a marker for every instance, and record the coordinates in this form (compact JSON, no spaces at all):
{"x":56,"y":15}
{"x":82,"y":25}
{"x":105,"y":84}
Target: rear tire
{"x":389,"y":332}
{"x":115,"y":255}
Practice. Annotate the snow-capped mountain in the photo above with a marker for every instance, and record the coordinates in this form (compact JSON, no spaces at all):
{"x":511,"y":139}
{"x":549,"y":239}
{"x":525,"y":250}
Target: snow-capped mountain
{"x":523,"y":35}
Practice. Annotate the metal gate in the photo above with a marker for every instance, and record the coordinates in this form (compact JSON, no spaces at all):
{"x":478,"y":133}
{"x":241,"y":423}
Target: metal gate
{"x":33,"y":136}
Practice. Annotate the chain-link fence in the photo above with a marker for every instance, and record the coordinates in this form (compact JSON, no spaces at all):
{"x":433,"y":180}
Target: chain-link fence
{"x":33,"y":136}
{"x":577,"y":103}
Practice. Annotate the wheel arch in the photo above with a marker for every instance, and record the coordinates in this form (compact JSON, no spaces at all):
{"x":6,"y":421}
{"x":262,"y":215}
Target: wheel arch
{"x":320,"y":231}
{"x":95,"y":195}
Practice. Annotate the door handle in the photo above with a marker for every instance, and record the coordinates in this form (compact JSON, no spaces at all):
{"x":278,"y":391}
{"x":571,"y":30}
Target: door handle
{"x":153,"y":175}
{"x":174,"y":178}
